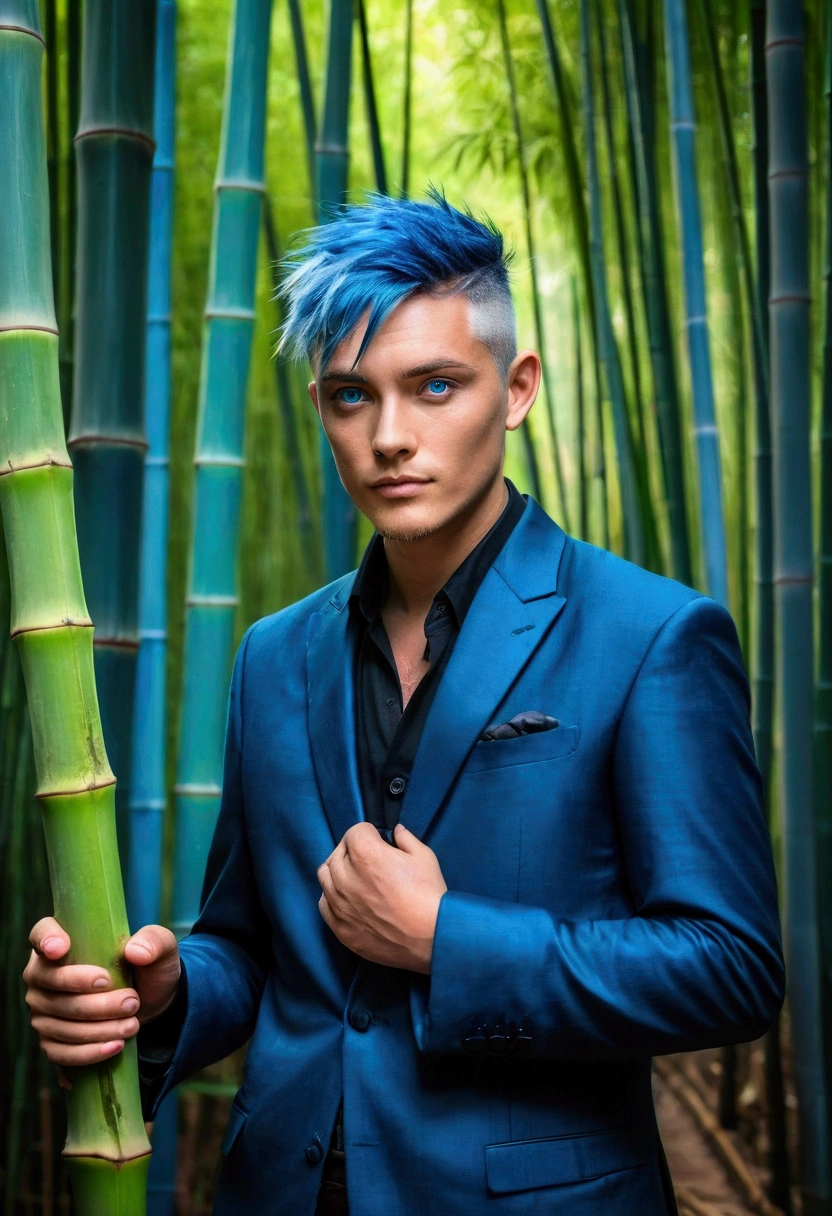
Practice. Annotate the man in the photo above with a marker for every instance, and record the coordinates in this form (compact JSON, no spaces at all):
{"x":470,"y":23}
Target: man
{"x":556,"y":744}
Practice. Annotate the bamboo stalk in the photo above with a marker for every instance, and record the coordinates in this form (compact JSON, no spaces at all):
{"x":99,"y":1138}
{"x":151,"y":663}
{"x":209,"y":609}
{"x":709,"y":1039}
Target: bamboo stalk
{"x":148,"y":785}
{"x":340,"y":518}
{"x":114,"y":151}
{"x":540,"y":333}
{"x":790,"y":397}
{"x":633,"y":525}
{"x":823,"y":691}
{"x":307,"y":97}
{"x":229,"y":324}
{"x":107,"y":1149}
{"x":407,"y":100}
{"x":654,"y":289}
{"x":580,"y":415}
{"x":376,"y":146}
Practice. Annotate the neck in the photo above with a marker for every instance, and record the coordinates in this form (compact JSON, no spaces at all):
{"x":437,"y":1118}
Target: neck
{"x":420,"y":568}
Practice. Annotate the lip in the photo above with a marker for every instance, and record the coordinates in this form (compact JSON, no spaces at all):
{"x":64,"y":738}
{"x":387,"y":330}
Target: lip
{"x":399,"y":487}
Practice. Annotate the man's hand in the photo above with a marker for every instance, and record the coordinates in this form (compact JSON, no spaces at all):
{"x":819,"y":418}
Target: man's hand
{"x":383,"y":902}
{"x":77,"y":1015}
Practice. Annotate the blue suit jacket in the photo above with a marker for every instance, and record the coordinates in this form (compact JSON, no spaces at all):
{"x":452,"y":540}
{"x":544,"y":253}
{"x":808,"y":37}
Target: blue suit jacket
{"x":610,"y":888}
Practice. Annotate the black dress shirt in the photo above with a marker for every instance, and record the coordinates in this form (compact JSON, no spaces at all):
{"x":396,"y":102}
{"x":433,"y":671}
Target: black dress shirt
{"x":388,"y":734}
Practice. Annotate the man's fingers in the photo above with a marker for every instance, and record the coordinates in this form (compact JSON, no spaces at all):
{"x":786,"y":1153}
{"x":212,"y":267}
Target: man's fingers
{"x":70,"y":1055}
{"x":49,"y":939}
{"x":72,"y":977}
{"x":97,"y":1007}
{"x":407,"y":842}
{"x":59,"y":1030}
{"x":151,"y":944}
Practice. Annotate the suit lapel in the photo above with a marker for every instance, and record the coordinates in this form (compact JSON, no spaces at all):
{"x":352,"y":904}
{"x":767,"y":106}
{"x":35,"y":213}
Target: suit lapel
{"x":515,"y":607}
{"x":330,"y":651}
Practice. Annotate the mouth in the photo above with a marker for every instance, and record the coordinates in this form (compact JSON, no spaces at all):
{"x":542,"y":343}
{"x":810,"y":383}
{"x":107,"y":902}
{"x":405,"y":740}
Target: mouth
{"x":399,"y":487}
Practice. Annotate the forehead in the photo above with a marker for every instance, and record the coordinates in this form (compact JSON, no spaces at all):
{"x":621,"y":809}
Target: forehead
{"x":420,"y":329}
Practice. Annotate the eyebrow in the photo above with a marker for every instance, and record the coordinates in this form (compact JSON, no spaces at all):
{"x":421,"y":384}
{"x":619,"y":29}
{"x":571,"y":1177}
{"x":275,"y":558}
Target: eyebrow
{"x":423,"y":369}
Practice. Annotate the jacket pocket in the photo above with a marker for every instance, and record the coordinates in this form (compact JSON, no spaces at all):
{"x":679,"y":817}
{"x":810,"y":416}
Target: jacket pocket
{"x":522,"y":1165}
{"x":236,"y":1121}
{"x":525,"y":749}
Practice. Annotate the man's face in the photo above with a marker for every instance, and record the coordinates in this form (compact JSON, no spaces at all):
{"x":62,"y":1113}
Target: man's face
{"x":418,"y":429}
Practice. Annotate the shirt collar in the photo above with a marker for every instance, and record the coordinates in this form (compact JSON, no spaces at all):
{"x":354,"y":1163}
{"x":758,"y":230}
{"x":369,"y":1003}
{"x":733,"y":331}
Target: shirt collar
{"x":371,"y":582}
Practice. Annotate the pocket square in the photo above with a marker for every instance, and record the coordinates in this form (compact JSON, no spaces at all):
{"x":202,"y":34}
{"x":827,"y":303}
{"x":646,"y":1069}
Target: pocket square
{"x":529,"y":722}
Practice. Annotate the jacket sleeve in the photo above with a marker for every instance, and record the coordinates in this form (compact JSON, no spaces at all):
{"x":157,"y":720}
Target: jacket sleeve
{"x":698,"y":962}
{"x":225,"y":957}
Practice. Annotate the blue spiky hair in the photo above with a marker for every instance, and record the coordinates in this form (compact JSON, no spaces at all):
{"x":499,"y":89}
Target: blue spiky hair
{"x":376,"y":254}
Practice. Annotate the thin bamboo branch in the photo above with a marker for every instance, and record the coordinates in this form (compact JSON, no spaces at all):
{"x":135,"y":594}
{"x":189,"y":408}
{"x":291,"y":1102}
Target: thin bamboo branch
{"x":307,"y":97}
{"x":407,"y":99}
{"x":376,"y":146}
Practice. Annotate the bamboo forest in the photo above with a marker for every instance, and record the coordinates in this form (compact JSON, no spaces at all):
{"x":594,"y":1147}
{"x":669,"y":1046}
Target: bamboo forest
{"x":662,"y":170}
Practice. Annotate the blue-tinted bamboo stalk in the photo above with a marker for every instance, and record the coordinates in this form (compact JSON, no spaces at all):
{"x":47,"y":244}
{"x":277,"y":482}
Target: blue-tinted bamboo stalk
{"x":654,"y":287}
{"x":307,"y":97}
{"x":148,"y":788}
{"x":106,"y":1149}
{"x":762,"y":673}
{"x":632,"y":524}
{"x":226,"y":354}
{"x":114,"y":152}
{"x":540,"y":333}
{"x":790,"y":398}
{"x":376,"y":146}
{"x":823,"y":696}
{"x":683,"y":128}
{"x":340,"y":519}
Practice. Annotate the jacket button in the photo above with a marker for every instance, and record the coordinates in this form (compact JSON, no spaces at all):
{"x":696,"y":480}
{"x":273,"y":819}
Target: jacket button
{"x":360,"y":1018}
{"x":315,"y":1150}
{"x":396,"y":786}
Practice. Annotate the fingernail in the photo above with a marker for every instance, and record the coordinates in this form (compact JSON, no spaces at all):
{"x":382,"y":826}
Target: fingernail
{"x":49,"y":942}
{"x":108,"y":1049}
{"x":102,"y":983}
{"x":141,"y":948}
{"x":130,"y":1005}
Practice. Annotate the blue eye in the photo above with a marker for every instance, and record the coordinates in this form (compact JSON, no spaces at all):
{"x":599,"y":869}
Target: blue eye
{"x":350,"y":396}
{"x":436,"y":387}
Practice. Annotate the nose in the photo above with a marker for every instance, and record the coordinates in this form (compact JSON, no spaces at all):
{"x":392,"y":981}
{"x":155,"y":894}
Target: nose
{"x":393,"y":434}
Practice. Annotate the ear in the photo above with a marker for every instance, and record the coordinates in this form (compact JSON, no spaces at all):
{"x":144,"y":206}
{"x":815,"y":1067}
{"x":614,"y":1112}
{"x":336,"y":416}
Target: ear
{"x":313,"y":393}
{"x":523,"y":383}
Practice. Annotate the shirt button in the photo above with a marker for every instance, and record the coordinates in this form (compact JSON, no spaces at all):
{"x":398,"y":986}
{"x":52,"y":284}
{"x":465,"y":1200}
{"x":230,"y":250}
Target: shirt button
{"x":314,"y":1152}
{"x":396,"y":786}
{"x":360,"y":1018}
{"x":440,"y":607}
{"x":391,"y":700}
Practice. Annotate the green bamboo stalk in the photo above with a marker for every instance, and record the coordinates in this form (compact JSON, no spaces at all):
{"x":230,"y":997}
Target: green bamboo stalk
{"x":580,"y":414}
{"x":376,"y":146}
{"x":790,"y":396}
{"x":307,"y":97}
{"x":340,"y":519}
{"x":407,"y":100}
{"x":107,"y":1149}
{"x":114,"y":150}
{"x":635,"y":547}
{"x":622,"y":242}
{"x":640,"y":108}
{"x":540,"y":332}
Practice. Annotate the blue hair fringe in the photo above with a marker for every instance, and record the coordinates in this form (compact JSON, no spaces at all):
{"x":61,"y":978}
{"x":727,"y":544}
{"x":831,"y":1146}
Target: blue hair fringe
{"x":373,"y":256}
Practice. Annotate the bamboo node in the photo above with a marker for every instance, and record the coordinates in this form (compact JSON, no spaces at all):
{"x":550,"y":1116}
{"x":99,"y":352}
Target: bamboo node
{"x":41,"y":329}
{"x":50,"y":462}
{"x":124,"y":441}
{"x":126,"y":132}
{"x":66,"y":622}
{"x":23,"y":29}
{"x":241,"y":183}
{"x":80,"y":789}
